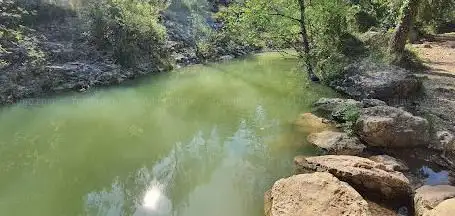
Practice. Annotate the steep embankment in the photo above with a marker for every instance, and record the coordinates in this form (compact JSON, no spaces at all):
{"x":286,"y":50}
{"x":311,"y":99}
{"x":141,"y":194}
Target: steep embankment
{"x":69,"y":59}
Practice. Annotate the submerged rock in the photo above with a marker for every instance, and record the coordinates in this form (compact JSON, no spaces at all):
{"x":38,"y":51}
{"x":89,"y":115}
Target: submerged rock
{"x":385,"y":126}
{"x":384,"y":82}
{"x":314,"y":194}
{"x":310,"y":123}
{"x":428,"y":197}
{"x":364,"y":175}
{"x":391,"y":163}
{"x":336,"y":143}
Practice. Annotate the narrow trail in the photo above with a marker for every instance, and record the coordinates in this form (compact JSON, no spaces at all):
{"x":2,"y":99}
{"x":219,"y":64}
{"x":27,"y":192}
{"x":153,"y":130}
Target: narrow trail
{"x":439,"y":55}
{"x":438,"y":102}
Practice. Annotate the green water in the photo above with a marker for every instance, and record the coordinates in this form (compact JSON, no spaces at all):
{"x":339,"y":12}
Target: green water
{"x":199,"y":141}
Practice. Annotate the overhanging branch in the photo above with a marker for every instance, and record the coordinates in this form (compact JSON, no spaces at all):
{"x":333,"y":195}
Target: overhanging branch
{"x":286,"y":16}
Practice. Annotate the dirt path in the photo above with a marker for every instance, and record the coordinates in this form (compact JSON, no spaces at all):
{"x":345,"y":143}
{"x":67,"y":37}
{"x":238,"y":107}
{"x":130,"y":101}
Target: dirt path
{"x":439,"y":55}
{"x":438,"y":102}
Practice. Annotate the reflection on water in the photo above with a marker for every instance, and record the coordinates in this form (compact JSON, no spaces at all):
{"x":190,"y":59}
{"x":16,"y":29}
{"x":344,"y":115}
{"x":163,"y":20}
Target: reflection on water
{"x":435,"y":178}
{"x":106,"y":202}
{"x":203,"y":140}
{"x":153,"y":195}
{"x":199,"y":173}
{"x":155,"y":202}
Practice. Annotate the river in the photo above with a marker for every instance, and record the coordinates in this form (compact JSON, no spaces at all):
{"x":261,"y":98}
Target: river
{"x":203,"y":140}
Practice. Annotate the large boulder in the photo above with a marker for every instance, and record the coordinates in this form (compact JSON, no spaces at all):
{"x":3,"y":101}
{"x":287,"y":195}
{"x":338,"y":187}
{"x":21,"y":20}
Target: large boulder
{"x":446,"y":208}
{"x":370,"y":80}
{"x":337,"y":143}
{"x":372,"y":103}
{"x":379,"y":210}
{"x":314,"y":195}
{"x":364,"y":175}
{"x":310,"y":123}
{"x":335,"y":108}
{"x":385,"y":126}
{"x":391,"y":163}
{"x":428,"y":197}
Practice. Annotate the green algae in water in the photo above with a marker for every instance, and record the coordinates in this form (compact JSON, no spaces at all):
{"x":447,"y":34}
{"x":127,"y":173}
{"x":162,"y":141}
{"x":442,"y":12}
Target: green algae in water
{"x":202,"y":140}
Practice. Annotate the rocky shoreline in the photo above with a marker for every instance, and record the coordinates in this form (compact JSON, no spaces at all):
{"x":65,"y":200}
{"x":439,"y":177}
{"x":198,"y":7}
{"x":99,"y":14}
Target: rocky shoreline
{"x":369,"y":148}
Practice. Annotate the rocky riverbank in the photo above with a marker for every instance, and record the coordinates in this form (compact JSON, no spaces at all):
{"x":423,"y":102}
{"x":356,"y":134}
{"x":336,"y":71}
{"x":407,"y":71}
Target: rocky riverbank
{"x":373,"y":152}
{"x":68,"y":60}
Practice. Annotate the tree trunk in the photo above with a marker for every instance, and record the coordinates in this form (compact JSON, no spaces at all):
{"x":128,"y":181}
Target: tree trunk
{"x":399,"y":37}
{"x":304,"y":35}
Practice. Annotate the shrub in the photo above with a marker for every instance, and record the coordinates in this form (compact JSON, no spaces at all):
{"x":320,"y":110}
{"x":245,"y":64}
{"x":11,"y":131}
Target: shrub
{"x":347,"y":115}
{"x":129,"y":30}
{"x":436,"y":16}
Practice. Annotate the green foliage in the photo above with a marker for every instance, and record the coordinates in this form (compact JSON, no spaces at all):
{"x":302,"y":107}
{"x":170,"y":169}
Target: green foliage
{"x":273,"y":24}
{"x":432,"y":17}
{"x":17,"y":44}
{"x":347,"y":114}
{"x":256,"y":21}
{"x":130,"y":30}
{"x":198,"y":26}
{"x":328,"y":27}
{"x":435,"y":15}
{"x":375,"y":13}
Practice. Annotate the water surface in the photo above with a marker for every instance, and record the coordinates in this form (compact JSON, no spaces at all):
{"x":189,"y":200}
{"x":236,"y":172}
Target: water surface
{"x":198,"y":141}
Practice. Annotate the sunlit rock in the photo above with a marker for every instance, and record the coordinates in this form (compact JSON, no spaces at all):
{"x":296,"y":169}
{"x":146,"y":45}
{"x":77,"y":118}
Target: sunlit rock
{"x":314,"y":194}
{"x":310,"y":123}
{"x":364,"y":175}
{"x":428,"y":197}
{"x":337,"y":143}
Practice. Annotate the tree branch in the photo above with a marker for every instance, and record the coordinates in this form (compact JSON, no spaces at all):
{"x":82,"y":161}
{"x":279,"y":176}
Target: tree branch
{"x":285,"y":16}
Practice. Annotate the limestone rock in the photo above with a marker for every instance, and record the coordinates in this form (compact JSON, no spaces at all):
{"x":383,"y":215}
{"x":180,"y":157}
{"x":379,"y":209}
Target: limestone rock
{"x":314,"y":195}
{"x":366,"y":103}
{"x":310,"y":123}
{"x":445,"y":141}
{"x":391,"y":163}
{"x":428,"y":197}
{"x":370,"y":80}
{"x":446,"y":208}
{"x":385,"y":126}
{"x":327,"y":106}
{"x":363,"y":174}
{"x":337,"y":143}
{"x":378,"y":210}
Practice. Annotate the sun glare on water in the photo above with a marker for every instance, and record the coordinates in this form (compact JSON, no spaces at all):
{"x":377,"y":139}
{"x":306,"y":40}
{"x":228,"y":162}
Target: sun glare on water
{"x":152,"y":197}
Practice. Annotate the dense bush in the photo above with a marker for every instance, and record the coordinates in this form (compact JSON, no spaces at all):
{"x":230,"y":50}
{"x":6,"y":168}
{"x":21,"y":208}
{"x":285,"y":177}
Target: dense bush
{"x":380,"y":14}
{"x":434,"y":16}
{"x":129,"y":30}
{"x":18,"y":46}
{"x":437,"y":16}
{"x":329,"y":31}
